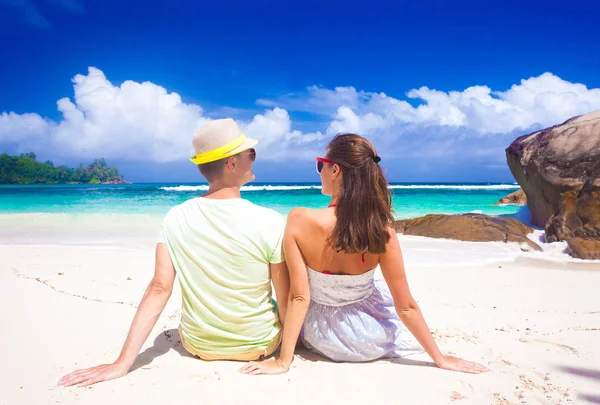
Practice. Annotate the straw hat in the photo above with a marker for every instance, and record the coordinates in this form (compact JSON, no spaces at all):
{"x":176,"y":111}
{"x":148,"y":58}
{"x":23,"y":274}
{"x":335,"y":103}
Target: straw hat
{"x":219,"y":139}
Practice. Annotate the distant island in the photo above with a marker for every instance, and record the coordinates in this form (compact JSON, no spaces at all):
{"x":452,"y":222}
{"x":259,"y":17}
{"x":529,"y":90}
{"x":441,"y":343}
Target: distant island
{"x":25,"y":169}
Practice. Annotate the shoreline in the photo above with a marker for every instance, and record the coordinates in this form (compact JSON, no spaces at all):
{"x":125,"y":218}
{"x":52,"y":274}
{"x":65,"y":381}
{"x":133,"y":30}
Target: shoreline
{"x":140,"y":232}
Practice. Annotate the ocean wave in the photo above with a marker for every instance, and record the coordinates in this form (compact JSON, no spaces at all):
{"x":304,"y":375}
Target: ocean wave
{"x":279,"y":188}
{"x":454,"y":187}
{"x":244,"y":188}
{"x":184,"y":188}
{"x":268,"y":187}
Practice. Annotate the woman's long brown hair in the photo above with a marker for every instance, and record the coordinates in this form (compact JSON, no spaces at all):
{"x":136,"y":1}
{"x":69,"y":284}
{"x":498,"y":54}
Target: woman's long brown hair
{"x":364,"y":207}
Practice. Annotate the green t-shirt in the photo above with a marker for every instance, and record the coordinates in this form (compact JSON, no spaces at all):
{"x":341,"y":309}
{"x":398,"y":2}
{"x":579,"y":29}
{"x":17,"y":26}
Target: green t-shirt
{"x":221,"y":250}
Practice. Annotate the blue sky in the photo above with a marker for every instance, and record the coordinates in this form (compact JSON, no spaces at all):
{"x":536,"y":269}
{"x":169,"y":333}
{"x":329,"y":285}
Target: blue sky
{"x":441,"y":87}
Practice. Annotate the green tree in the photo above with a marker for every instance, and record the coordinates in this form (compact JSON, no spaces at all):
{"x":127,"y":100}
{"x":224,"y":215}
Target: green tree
{"x":25,"y":169}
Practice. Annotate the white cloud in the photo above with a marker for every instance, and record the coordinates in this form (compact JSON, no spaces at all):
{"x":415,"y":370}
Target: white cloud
{"x":134,"y":121}
{"x":320,"y":100}
{"x":23,"y":128}
{"x":139,"y":121}
{"x":274,"y":131}
{"x":144,"y":122}
{"x":539,"y":101}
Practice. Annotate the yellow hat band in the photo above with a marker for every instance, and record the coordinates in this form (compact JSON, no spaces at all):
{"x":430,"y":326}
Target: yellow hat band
{"x":219,"y":153}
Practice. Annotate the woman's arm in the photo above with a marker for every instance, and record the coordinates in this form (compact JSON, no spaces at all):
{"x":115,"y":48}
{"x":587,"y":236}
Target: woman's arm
{"x":392,"y":267}
{"x":153,"y":303}
{"x":281,"y":282}
{"x":298,"y":301}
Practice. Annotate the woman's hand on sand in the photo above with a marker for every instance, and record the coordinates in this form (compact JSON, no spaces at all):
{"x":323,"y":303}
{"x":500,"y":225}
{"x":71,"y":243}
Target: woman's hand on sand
{"x":93,"y":375}
{"x":271,"y":366}
{"x":455,"y":364}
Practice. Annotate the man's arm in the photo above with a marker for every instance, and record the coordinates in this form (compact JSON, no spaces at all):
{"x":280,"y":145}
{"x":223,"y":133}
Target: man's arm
{"x":299,"y":298}
{"x":153,"y":303}
{"x":281,"y":283}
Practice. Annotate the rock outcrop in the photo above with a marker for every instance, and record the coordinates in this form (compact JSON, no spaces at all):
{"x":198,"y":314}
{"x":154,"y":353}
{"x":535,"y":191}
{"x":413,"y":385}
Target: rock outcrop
{"x":556,"y":160}
{"x":558,"y":168}
{"x":578,"y":215}
{"x":468,"y":227}
{"x":584,"y":248}
{"x":518,"y":197}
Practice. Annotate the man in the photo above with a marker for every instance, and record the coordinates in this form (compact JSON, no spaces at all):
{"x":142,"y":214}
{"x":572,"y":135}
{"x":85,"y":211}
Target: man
{"x":224,"y":250}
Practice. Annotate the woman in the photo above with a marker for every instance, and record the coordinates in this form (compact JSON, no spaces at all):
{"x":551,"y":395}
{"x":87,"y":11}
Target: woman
{"x":332,"y":253}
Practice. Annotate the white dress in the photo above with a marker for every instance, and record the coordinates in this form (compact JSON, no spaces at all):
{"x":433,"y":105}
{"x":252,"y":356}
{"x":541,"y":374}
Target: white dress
{"x":352,"y":318}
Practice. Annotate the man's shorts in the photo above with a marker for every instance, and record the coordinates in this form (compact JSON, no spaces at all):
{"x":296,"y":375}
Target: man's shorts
{"x":246,"y":356}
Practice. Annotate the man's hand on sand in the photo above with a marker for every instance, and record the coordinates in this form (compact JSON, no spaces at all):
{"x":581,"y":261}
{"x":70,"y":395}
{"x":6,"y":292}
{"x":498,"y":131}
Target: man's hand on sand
{"x":93,"y":375}
{"x":455,"y":364}
{"x":271,"y":366}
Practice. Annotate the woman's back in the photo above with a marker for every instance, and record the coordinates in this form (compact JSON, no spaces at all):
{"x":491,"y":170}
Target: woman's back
{"x":319,"y":255}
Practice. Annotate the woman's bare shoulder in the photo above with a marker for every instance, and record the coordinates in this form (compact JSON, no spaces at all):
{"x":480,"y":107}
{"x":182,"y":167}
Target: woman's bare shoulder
{"x":393,"y":242}
{"x":301,"y":214}
{"x":301,"y":217}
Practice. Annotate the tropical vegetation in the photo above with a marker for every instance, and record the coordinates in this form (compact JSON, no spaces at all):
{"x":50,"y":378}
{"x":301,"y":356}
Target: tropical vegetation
{"x":25,"y":169}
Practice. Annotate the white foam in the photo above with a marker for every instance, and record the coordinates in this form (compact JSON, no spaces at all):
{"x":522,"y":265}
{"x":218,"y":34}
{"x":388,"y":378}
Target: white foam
{"x":423,"y":251}
{"x":455,"y":187}
{"x":279,"y":188}
{"x":184,"y":188}
{"x":557,"y":252}
{"x":244,"y":188}
{"x":268,"y":187}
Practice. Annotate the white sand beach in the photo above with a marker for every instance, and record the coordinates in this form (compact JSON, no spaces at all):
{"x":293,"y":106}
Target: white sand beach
{"x":69,"y":287}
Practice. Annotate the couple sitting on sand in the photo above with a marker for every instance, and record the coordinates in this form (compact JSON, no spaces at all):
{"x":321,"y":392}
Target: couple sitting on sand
{"x":226,"y":251}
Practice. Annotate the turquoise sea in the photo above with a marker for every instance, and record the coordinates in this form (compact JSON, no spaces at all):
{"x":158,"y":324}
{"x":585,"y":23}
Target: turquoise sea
{"x":410,"y":199}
